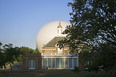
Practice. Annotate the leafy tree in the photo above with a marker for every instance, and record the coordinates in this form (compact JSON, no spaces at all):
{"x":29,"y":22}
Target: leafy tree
{"x":26,"y":50}
{"x":105,"y":57}
{"x":36,"y":51}
{"x":0,"y":44}
{"x":85,"y":56}
{"x":2,"y":57}
{"x":93,"y":23}
{"x":11,"y":54}
{"x":2,"y":62}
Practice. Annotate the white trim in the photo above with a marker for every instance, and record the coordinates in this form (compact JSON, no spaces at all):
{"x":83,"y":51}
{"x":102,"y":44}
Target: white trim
{"x":49,"y":49}
{"x":53,"y":49}
{"x":58,"y":57}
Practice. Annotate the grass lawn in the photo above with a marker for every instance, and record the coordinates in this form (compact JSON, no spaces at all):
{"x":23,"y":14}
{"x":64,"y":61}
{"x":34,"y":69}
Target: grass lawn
{"x":54,"y":73}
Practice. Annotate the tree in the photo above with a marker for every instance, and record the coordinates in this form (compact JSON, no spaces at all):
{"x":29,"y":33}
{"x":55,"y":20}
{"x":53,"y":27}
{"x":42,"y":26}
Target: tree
{"x":94,"y":20}
{"x":11,"y":54}
{"x":1,"y":59}
{"x":36,"y":51}
{"x":93,"y":23}
{"x":106,"y":57}
{"x":26,"y":50}
{"x":85,"y":56}
{"x":0,"y":45}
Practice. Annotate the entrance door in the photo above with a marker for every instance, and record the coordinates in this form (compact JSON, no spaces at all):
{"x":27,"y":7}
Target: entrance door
{"x":31,"y":64}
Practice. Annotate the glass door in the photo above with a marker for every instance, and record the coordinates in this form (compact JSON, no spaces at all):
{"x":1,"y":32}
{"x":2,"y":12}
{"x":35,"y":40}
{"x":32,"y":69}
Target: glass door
{"x":31,"y":64}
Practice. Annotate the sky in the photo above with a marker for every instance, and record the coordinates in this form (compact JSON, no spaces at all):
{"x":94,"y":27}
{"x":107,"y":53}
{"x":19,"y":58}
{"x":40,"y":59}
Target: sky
{"x":20,"y":20}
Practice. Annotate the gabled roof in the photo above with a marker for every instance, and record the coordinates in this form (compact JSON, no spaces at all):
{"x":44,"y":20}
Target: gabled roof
{"x":53,"y":42}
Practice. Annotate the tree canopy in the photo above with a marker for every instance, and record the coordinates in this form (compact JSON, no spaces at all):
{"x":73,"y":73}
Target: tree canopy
{"x":10,"y":54}
{"x":93,"y":24}
{"x":93,"y":21}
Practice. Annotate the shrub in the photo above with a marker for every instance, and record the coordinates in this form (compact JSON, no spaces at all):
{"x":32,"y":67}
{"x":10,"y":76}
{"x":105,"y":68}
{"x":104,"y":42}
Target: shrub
{"x":76,"y":69}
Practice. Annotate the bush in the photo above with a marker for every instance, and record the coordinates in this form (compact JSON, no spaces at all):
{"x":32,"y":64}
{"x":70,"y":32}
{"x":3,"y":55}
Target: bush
{"x":76,"y":69}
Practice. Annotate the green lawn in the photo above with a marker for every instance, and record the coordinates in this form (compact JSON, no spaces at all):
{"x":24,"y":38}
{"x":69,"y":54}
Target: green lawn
{"x":55,"y":73}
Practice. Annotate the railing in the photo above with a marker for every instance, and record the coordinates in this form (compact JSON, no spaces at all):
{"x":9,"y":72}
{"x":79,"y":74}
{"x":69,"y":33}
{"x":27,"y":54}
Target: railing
{"x":59,"y":54}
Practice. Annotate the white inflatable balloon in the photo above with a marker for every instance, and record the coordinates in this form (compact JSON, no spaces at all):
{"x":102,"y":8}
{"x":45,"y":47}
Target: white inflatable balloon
{"x":48,"y":32}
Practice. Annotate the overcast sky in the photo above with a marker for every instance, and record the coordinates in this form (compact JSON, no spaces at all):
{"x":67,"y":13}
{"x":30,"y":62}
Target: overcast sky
{"x":20,"y":20}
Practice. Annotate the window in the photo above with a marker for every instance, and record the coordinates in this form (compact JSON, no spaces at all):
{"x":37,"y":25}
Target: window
{"x":57,"y":62}
{"x":44,"y":63}
{"x":75,"y":62}
{"x":59,"y":50}
{"x":49,"y":63}
{"x":31,"y":64}
{"x":66,"y":62}
{"x":53,"y":62}
{"x":60,"y":31}
{"x":62,"y":62}
{"x":70,"y":62}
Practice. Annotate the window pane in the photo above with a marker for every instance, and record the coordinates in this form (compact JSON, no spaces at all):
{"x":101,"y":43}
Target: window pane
{"x":66,"y":62}
{"x":57,"y":63}
{"x":44,"y":62}
{"x":62,"y":62}
{"x":75,"y":62}
{"x":33,"y":61}
{"x":53,"y":62}
{"x":31,"y":64}
{"x":59,"y":50}
{"x":70,"y":62}
{"x":49,"y":62}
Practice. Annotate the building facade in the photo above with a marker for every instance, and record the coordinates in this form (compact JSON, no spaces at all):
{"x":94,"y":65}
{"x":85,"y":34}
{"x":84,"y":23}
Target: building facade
{"x":32,"y":61}
{"x":53,"y":57}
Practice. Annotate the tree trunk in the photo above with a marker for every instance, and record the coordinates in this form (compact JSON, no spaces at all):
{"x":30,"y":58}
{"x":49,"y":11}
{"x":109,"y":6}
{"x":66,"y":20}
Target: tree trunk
{"x":4,"y":66}
{"x":11,"y":67}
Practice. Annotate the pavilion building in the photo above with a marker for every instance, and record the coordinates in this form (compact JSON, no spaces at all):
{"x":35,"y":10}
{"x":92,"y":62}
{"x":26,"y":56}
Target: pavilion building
{"x":51,"y":56}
